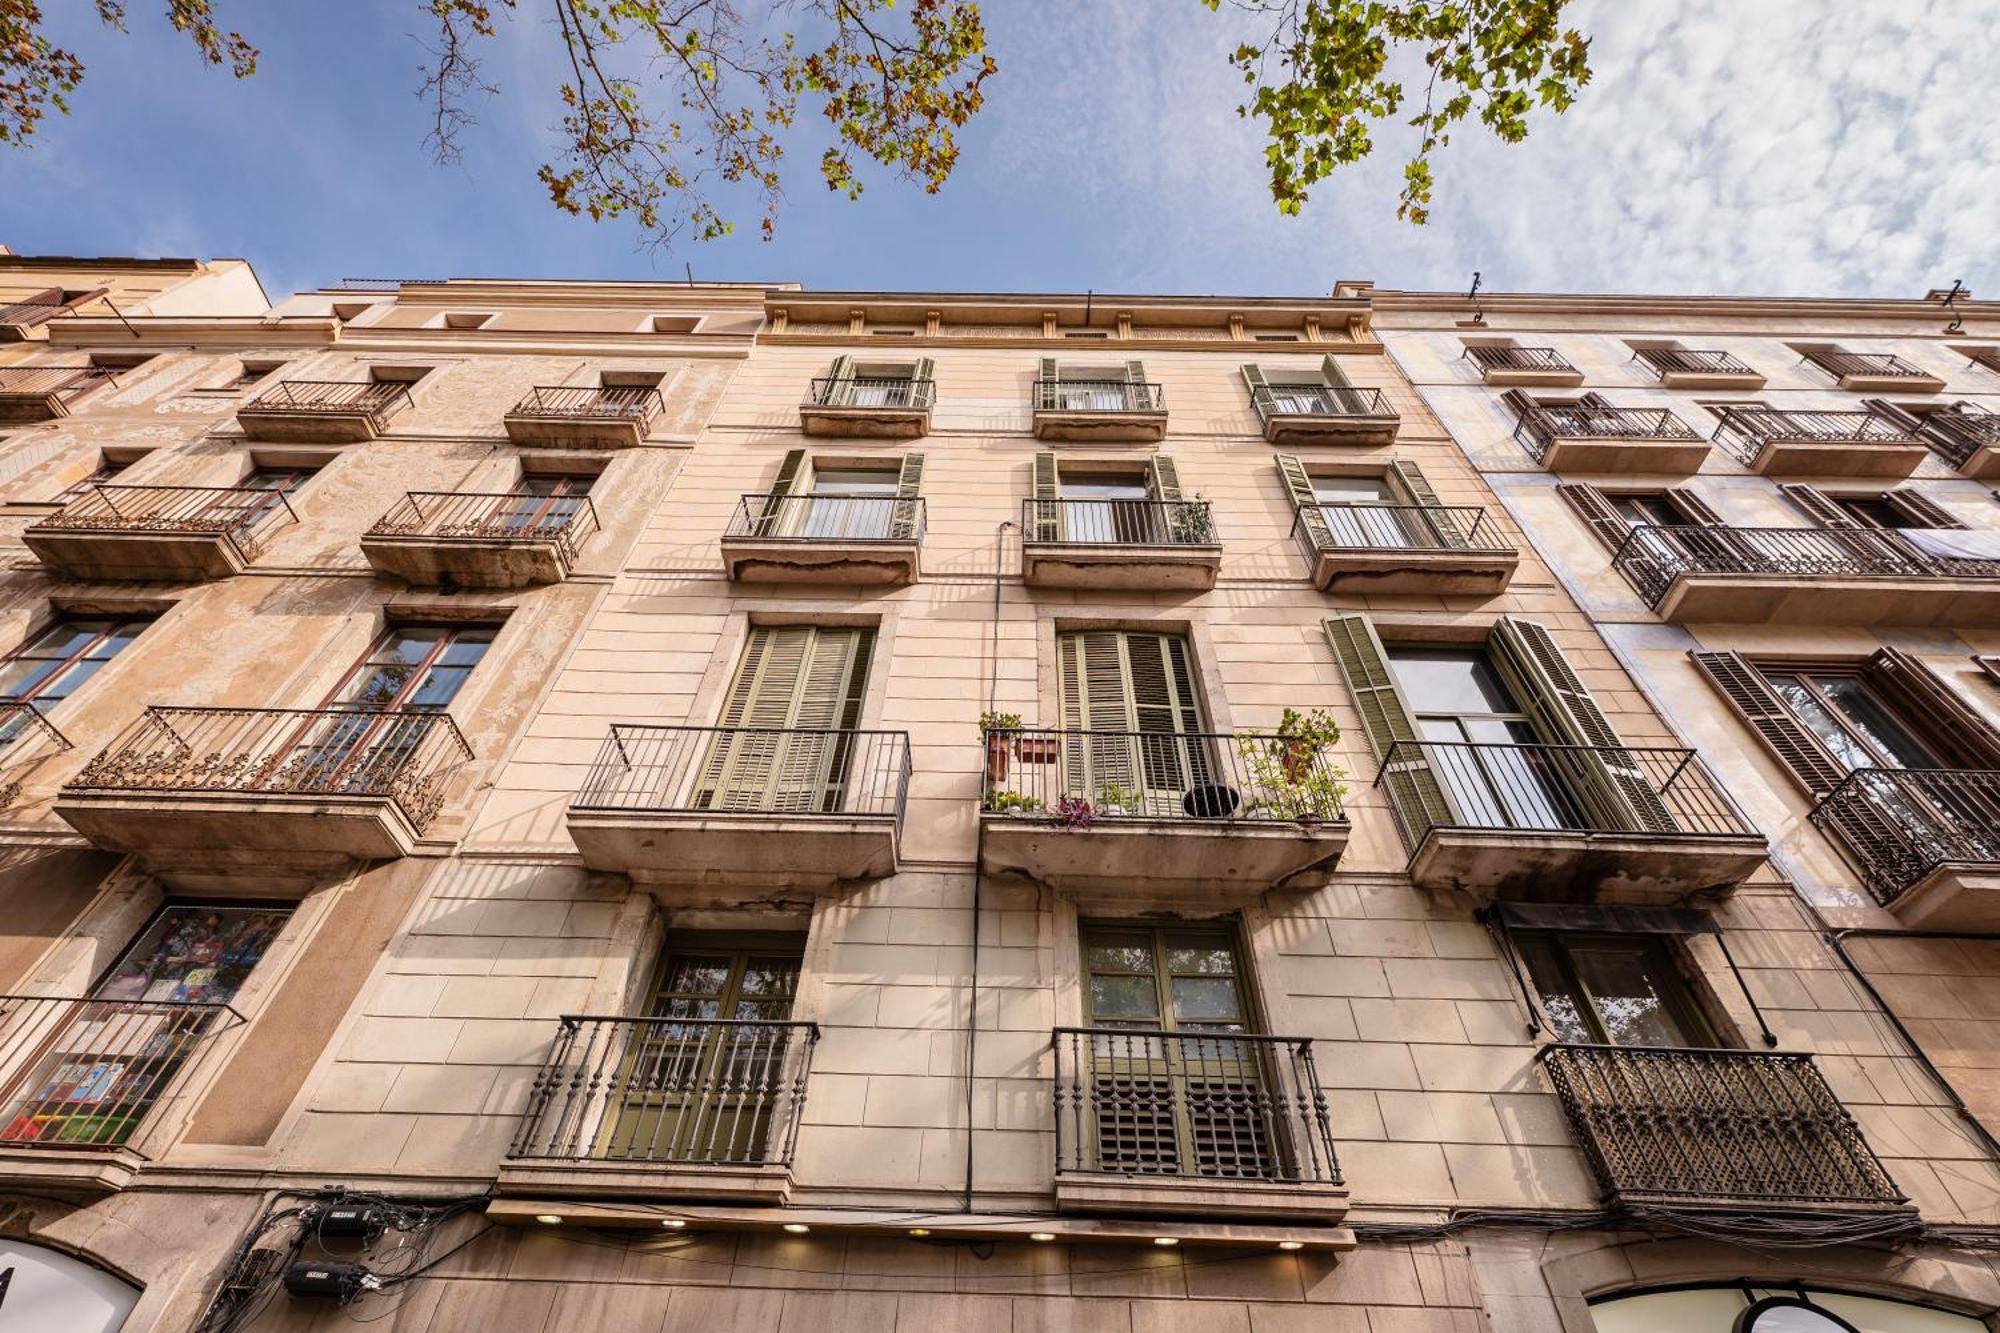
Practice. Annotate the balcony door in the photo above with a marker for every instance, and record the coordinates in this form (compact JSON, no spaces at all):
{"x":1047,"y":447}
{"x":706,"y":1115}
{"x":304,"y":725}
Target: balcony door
{"x":411,"y":669}
{"x":545,"y":503}
{"x":55,"y":663}
{"x":848,"y":503}
{"x":1485,"y":745}
{"x":264,"y":490}
{"x":1612,"y":989}
{"x":1108,"y":508}
{"x":1364,"y":512}
{"x":785,"y":741}
{"x":1133,"y":724}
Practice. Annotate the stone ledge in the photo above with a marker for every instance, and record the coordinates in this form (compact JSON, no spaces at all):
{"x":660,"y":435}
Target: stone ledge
{"x":1194,"y":1196}
{"x":764,"y":1185}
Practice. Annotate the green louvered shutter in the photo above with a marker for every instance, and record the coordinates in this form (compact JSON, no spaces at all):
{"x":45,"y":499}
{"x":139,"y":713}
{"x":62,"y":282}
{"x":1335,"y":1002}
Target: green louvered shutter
{"x":1305,"y":502}
{"x":922,"y":372}
{"x":1260,"y":391}
{"x":794,"y":478}
{"x":1134,"y":695}
{"x":1136,"y":399}
{"x":1435,"y":524}
{"x":1414,"y":791}
{"x":795,"y":685}
{"x":909,"y":488}
{"x":1046,"y":523}
{"x":840,"y":382}
{"x":1169,"y":519}
{"x":1048,"y":391}
{"x":1346,"y":399}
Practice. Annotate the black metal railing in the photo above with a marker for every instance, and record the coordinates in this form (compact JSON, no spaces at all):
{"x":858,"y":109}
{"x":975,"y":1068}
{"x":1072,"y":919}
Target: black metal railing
{"x":507,"y":516}
{"x":1519,"y":358}
{"x":1118,"y":522}
{"x":828,"y":517}
{"x":1394,"y":527}
{"x":643,"y":768}
{"x":62,"y":382}
{"x":1958,"y":432}
{"x":83,"y":1073}
{"x":625,"y":402}
{"x":27,"y":314}
{"x":1078,"y":776}
{"x":243,"y":516}
{"x":1322,"y":400}
{"x":1583,"y":788}
{"x":1225,"y":1106}
{"x":1546,"y":424}
{"x":1745,"y":431}
{"x":26,"y":737}
{"x":669,"y":1091}
{"x":403,"y":756}
{"x":1679,"y":1125}
{"x":878,"y":391}
{"x":1653,"y":556}
{"x":1899,"y":824}
{"x":1098,"y":396}
{"x":1840,"y":364}
{"x":1666,"y":361}
{"x":377,"y":400}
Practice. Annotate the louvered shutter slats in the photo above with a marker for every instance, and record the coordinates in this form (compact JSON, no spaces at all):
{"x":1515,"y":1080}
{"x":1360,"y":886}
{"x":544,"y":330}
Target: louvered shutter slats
{"x":1417,"y":796}
{"x":1305,"y":501}
{"x":1047,"y":523}
{"x":1816,"y":506}
{"x":1260,"y":390}
{"x":909,"y":487}
{"x":1922,"y":510}
{"x":794,"y":477}
{"x":1952,"y":725}
{"x":778,"y":749}
{"x":1432,"y":525}
{"x":840,"y":386}
{"x":1746,"y":691}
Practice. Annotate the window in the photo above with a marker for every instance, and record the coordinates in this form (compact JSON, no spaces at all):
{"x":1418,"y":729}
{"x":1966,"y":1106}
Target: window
{"x":416,"y":667}
{"x":251,"y":373}
{"x":1065,"y":387}
{"x":1641,"y":509}
{"x":784,"y":739}
{"x":1276,"y":337}
{"x":841,"y":501}
{"x":1611,"y":989}
{"x":1137,"y":505}
{"x":543,"y":501}
{"x":105,"y":471}
{"x":1852,"y":719}
{"x":54,"y":664}
{"x":1457,"y":698}
{"x":1130,"y":704}
{"x":851,"y":383}
{"x":1289,"y":391}
{"x":1184,"y":979}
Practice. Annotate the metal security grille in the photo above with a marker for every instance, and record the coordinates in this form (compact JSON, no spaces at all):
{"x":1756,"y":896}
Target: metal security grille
{"x":1899,"y":824}
{"x":1745,"y":431}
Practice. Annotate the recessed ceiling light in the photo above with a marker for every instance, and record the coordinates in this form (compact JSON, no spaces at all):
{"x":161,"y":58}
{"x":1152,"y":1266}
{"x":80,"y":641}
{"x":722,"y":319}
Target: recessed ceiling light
{"x":1291,"y":1245}
{"x":920,"y":1231}
{"x":1166,"y":1240}
{"x":797,"y":1228}
{"x":549,"y":1219}
{"x":675,"y":1222}
{"x":1041,"y":1235}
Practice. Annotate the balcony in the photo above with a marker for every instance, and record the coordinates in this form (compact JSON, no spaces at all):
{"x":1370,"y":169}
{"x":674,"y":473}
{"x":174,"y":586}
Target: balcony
{"x":607,"y":417}
{"x":1810,"y":576}
{"x":810,"y":808}
{"x":868,"y":407}
{"x":1587,"y":437}
{"x":82,"y":1079}
{"x":1776,"y":443}
{"x":1927,"y":842}
{"x":663,"y":1109}
{"x":20,"y":316}
{"x":1679,"y":368}
{"x":323,"y":412}
{"x":1297,"y":414}
{"x":167,"y":533}
{"x":1131,"y":545}
{"x":1151,"y":816}
{"x":1526,"y":367}
{"x":1565,"y":823}
{"x":467,"y":540}
{"x":257,"y":790}
{"x":1106,"y":411}
{"x":868,"y":540}
{"x":26,"y":739}
{"x":1209,"y":1125}
{"x":1680,"y":1128}
{"x":1427,"y":550}
{"x":1967,"y":437}
{"x":1874,"y":372}
{"x":46,"y":393}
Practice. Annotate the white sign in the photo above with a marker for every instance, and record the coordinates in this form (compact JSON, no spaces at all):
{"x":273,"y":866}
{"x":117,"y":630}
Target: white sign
{"x":46,"y":1291}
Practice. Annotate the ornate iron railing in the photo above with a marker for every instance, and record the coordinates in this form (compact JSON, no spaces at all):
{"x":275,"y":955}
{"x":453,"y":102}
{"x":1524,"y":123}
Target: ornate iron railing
{"x":1393,"y":527}
{"x":63,"y":382}
{"x":1224,"y":1106}
{"x":1518,"y":358}
{"x":399,"y":755}
{"x":828,"y":517}
{"x":625,"y":402}
{"x":1676,"y":1125}
{"x":243,"y":516}
{"x":1322,"y":400}
{"x":1744,"y":431}
{"x":1118,"y":522}
{"x":1099,"y":396}
{"x":1900,"y":824}
{"x":1958,"y":432}
{"x":1840,"y":364}
{"x":27,"y":314}
{"x":1078,"y":776}
{"x":1988,"y":357}
{"x":669,"y":1091}
{"x":880,"y":391}
{"x":1653,"y":556}
{"x":1583,"y":788}
{"x":83,"y":1073}
{"x":1666,"y":361}
{"x":1545,"y":424}
{"x":644,"y":768}
{"x":378,"y":400}
{"x":26,"y":736}
{"x":508,"y":516}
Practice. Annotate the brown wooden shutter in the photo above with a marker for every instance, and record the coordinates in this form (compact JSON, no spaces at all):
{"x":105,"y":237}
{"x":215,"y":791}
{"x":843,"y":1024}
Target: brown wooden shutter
{"x":1693,"y":508}
{"x":1416,"y":795}
{"x":1310,"y":519}
{"x":1522,"y":402}
{"x":1046,"y":526}
{"x":1921,"y":510}
{"x":1789,"y":740}
{"x":1817,"y":506}
{"x":1894,"y":415}
{"x":1597,"y":400}
{"x":1956,"y":729}
{"x":794,"y":477}
{"x":1594,"y":507}
{"x":909,"y":486}
{"x":1434,"y":521}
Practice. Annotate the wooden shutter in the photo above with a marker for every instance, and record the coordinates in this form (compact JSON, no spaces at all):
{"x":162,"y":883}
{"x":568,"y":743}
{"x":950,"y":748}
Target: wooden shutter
{"x":1160,"y":677}
{"x":1817,"y":506}
{"x":1260,"y":390}
{"x":1597,"y":400}
{"x":1789,"y":740}
{"x":1134,"y":693}
{"x":1956,"y":729}
{"x":1522,"y":402}
{"x":1135,"y":372}
{"x":1305,"y":503}
{"x":1417,"y":796}
{"x":1163,"y":479}
{"x":1606,"y":778}
{"x":1434,"y":522}
{"x":1096,"y":699}
{"x":1921,"y":510}
{"x":791,"y":677}
{"x":1329,"y":367}
{"x":1048,"y":397}
{"x":923,"y":370}
{"x":840,"y":391}
{"x":1894,"y":415}
{"x":794,"y":478}
{"x":1693,"y":508}
{"x":1594,"y":507}
{"x":909,"y":486}
{"x":1046,"y":525}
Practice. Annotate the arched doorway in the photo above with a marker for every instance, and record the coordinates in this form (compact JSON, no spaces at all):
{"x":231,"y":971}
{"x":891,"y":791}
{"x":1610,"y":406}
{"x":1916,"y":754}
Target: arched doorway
{"x":42,"y":1290}
{"x":1758,"y":1308}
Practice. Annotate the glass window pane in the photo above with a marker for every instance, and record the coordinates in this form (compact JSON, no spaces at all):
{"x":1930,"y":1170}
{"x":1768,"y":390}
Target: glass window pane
{"x":1206,"y":1000}
{"x":69,"y":681}
{"x":378,"y":687}
{"x":1868,"y":715}
{"x":1806,"y":706}
{"x":193,"y":954}
{"x":1122,"y":956}
{"x":1200,"y":956}
{"x":1449,"y":680}
{"x":1628,"y":986}
{"x":1350,"y":490}
{"x":467,"y":648}
{"x":1561,"y":1004}
{"x":117,"y":640}
{"x":696,"y":976}
{"x":409,"y":644}
{"x":21,"y":675}
{"x":439,"y":686}
{"x":66,"y":638}
{"x":1125,"y":999}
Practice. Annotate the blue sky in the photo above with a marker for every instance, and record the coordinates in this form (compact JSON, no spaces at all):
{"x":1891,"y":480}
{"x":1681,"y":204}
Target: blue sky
{"x":1786,"y":146}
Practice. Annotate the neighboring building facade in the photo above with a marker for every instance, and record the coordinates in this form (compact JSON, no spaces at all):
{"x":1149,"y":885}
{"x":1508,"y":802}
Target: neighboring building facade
{"x":711,"y":806}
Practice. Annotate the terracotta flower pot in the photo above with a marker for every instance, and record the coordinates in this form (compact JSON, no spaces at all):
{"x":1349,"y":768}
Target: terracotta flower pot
{"x":996,"y":758}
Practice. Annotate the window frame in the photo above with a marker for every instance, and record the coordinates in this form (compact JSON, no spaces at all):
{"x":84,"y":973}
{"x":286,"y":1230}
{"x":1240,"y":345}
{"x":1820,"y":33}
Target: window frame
{"x":1681,"y":996}
{"x":20,"y":653}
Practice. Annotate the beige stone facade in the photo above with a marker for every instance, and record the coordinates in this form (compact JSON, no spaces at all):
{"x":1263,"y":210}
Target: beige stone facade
{"x":720,"y":744}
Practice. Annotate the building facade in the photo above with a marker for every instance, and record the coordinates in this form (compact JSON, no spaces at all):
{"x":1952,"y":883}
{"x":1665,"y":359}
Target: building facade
{"x":544,"y":805}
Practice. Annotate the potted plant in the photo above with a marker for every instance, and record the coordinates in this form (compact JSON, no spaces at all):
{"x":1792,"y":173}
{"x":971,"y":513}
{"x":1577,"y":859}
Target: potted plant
{"x":1075,"y":812}
{"x":997,"y":729}
{"x":1286,"y":768}
{"x":1013,"y":804}
{"x":1113,"y":800}
{"x":1035,"y":749}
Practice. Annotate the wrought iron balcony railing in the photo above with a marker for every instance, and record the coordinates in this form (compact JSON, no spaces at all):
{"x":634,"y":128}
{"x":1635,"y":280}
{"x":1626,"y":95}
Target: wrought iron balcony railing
{"x":84,"y":1073}
{"x":1653,"y":556}
{"x":1322,"y":400}
{"x":1098,"y":396}
{"x":63,"y":382}
{"x":1519,"y":358}
{"x":1118,"y":522}
{"x":630,"y":402}
{"x":377,"y":400}
{"x":25,"y":737}
{"x":669,"y":1092}
{"x":1842,"y":364}
{"x":647,"y":769}
{"x":27,"y":314}
{"x":1666,"y":361}
{"x":1553,"y":788}
{"x":1958,"y":432}
{"x":403,"y":756}
{"x":509,"y":516}
{"x":1392,"y":527}
{"x":1900,"y":824}
{"x":1083,"y":776}
{"x":865,"y":391}
{"x":1544,"y":425}
{"x":829,"y":517}
{"x":1695,"y":1127}
{"x":1224,"y":1106}
{"x":1744,"y":431}
{"x":243,"y":516}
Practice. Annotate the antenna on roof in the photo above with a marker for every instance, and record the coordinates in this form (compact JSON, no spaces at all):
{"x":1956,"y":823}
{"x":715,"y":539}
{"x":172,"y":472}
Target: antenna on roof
{"x":690,"y":271}
{"x":1957,"y":324}
{"x":1472,"y":295}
